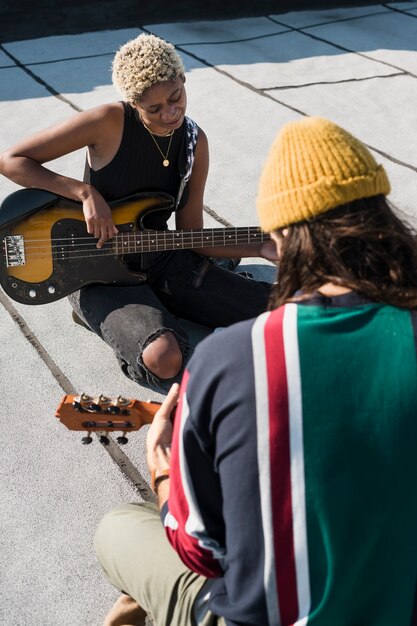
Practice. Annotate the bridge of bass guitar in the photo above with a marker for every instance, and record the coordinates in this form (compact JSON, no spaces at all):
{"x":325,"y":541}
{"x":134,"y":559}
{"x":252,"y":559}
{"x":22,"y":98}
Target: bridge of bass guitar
{"x":44,"y":265}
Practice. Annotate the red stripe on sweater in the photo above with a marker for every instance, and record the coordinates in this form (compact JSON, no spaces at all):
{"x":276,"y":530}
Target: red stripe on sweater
{"x":280,"y":468}
{"x":178,"y":505}
{"x":190,"y":552}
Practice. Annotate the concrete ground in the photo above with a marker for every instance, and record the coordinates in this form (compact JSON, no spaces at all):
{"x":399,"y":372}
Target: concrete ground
{"x":245,"y":78}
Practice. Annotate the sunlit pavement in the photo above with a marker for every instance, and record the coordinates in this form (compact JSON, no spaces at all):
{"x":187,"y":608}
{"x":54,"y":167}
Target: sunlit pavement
{"x":245,"y":78}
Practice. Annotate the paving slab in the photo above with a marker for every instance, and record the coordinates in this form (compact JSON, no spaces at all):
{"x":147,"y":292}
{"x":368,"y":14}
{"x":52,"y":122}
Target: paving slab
{"x":53,"y":495}
{"x":236,"y":153}
{"x":379,"y":41}
{"x":376,"y":97}
{"x":5,"y":60}
{"x":403,"y":6}
{"x":20,"y":97}
{"x":289,"y":59}
{"x":303,"y":19}
{"x":47,"y":49}
{"x":225,"y":31}
{"x":85,"y":89}
{"x":272,"y":58}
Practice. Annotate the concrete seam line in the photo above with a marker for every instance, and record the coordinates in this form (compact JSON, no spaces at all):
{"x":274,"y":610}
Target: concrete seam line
{"x":335,"y":21}
{"x":335,"y":82}
{"x":302,"y":31}
{"x":402,"y":11}
{"x":39,"y":80}
{"x":217,"y":217}
{"x":115,"y":452}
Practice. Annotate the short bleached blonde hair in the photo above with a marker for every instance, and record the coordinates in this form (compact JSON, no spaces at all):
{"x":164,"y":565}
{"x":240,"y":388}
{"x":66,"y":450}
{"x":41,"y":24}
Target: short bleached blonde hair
{"x":143,"y":62}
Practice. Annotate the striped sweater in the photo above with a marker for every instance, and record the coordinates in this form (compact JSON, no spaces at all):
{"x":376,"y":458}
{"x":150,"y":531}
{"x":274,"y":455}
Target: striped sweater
{"x":294,"y":466}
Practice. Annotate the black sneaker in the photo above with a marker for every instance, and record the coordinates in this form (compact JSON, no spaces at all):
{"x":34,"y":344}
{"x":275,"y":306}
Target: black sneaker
{"x":79,"y":321}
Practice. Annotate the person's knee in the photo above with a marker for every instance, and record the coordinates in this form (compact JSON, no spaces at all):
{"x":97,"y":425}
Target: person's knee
{"x":163,"y":356}
{"x":106,"y":528}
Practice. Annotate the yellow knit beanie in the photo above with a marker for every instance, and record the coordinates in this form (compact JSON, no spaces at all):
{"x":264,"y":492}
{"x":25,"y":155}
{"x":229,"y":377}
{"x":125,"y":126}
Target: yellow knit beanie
{"x":313,"y":166}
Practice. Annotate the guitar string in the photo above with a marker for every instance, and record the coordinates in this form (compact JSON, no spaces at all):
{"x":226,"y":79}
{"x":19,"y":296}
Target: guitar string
{"x":134,"y":241}
{"x":148,"y":242}
{"x":91,"y":253}
{"x":141,"y":242}
{"x":240,"y":230}
{"x":111,"y":249}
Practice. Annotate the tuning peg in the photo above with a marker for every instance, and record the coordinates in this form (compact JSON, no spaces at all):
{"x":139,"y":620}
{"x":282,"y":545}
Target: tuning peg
{"x":87,"y":439}
{"x":77,"y":405}
{"x":93,"y":408}
{"x":104,"y":440}
{"x":113,"y":409}
{"x":103,"y":399}
{"x":122,"y":440}
{"x":122,"y":401}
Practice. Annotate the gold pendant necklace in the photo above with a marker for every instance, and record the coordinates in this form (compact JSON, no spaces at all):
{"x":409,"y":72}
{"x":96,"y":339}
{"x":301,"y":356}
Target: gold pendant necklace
{"x":165,"y":161}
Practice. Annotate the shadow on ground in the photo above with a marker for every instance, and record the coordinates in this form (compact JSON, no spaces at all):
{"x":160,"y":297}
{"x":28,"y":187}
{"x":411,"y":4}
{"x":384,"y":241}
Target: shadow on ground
{"x":28,"y":20}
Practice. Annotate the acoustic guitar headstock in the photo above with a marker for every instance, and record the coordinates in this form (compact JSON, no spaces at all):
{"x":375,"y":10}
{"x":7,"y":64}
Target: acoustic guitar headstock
{"x":103,"y":414}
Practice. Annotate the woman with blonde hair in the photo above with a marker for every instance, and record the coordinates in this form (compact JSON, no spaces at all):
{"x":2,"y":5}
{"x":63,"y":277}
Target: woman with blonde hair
{"x":145,"y":143}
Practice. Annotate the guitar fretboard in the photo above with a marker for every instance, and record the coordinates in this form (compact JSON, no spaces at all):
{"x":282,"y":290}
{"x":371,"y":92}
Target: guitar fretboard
{"x":156,"y":240}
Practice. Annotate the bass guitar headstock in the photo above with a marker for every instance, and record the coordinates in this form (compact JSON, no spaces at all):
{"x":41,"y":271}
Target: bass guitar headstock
{"x":103,"y":414}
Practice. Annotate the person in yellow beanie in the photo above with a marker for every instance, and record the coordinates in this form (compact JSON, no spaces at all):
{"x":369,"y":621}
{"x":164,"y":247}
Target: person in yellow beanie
{"x":323,"y":197}
{"x":313,"y":166}
{"x":287,"y":484}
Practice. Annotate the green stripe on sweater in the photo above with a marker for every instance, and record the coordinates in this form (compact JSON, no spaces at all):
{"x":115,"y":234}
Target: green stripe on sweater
{"x":359,"y":389}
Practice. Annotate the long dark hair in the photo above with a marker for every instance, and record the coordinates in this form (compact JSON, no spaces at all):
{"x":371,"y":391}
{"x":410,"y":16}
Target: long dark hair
{"x":362,"y":245}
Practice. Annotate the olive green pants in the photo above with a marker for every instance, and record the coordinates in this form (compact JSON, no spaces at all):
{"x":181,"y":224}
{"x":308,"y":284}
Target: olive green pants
{"x":137,"y":559}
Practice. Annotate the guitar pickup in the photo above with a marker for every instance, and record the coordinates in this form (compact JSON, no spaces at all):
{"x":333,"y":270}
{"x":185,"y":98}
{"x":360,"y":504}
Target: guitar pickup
{"x":14,"y":248}
{"x":63,"y":246}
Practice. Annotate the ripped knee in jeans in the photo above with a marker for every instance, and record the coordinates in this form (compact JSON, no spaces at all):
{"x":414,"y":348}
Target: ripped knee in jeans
{"x":160,"y":367}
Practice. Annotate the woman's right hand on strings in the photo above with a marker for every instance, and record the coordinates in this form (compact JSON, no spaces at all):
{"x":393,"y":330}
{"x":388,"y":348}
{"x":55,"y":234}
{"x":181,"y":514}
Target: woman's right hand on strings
{"x":99,"y":219}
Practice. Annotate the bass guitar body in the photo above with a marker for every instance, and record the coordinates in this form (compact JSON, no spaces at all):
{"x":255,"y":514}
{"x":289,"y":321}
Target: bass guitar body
{"x":47,"y":253}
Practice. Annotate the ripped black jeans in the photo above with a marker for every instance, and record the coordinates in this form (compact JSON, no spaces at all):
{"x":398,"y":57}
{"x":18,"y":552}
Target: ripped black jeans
{"x":180,"y":283}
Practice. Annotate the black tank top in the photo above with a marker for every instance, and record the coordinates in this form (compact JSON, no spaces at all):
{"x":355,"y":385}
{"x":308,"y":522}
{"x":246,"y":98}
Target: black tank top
{"x":137,"y":166}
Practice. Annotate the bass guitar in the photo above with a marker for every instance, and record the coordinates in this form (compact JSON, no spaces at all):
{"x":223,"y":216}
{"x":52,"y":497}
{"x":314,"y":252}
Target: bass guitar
{"x":47,"y":253}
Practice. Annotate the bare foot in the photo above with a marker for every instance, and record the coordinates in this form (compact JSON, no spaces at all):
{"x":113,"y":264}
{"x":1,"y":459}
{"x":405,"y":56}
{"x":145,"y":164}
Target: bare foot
{"x":125,"y":612}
